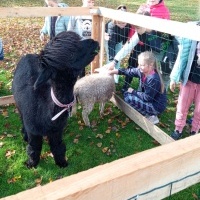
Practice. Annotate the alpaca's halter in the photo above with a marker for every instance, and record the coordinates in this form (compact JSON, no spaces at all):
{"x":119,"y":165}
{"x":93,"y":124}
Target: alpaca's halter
{"x":65,"y":106}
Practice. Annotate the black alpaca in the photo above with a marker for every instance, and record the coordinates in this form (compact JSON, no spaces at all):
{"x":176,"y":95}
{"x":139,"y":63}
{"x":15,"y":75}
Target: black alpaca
{"x":40,"y":78}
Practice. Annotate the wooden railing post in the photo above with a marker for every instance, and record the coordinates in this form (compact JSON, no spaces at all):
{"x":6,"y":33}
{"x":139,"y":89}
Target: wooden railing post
{"x":96,"y":35}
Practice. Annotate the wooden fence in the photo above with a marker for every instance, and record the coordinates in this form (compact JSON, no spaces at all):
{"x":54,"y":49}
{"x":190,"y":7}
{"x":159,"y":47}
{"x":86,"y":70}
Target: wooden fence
{"x":152,"y":174}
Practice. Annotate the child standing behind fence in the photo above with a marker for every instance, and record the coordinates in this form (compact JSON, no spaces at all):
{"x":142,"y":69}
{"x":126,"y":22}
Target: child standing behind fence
{"x":54,"y":24}
{"x":150,"y":99}
{"x":187,"y":70}
{"x":116,"y":35}
{"x":82,"y":25}
{"x":1,"y":50}
{"x":158,"y":9}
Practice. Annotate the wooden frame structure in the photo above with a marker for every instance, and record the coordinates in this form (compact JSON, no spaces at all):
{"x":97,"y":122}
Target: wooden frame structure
{"x":152,"y":174}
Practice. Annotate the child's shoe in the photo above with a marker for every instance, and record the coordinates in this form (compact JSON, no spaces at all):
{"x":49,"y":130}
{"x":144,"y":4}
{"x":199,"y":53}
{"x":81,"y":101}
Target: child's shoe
{"x":176,"y":135}
{"x":193,"y":133}
{"x":153,"y":119}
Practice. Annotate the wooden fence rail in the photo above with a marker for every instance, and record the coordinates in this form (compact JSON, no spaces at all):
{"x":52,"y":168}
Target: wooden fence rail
{"x":129,"y":176}
{"x":136,"y":174}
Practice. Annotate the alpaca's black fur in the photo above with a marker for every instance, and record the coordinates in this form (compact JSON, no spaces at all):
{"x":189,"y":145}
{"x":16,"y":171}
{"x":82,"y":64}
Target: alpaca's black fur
{"x":57,"y":66}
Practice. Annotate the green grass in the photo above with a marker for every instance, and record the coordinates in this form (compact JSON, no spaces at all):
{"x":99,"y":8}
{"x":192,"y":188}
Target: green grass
{"x":111,"y":138}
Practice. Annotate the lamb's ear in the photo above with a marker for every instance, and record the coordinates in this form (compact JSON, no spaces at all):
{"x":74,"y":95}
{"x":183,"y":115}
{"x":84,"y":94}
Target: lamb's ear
{"x":42,"y":78}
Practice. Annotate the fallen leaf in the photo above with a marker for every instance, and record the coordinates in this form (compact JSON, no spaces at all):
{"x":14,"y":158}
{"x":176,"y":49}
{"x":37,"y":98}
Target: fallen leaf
{"x":195,"y":196}
{"x":108,"y":152}
{"x":156,"y":142}
{"x":10,"y":135}
{"x":110,"y":121}
{"x":99,"y":136}
{"x":9,"y":153}
{"x":38,"y":181}
{"x":108,"y":131}
{"x":99,"y":144}
{"x":118,"y":135}
{"x":50,"y":180}
{"x":127,"y":120}
{"x":5,"y":113}
{"x":81,"y":123}
{"x":105,"y":149}
{"x":76,"y":141}
{"x":162,"y":125}
{"x":1,"y":144}
{"x":2,"y":137}
{"x":14,"y":179}
{"x":46,"y":155}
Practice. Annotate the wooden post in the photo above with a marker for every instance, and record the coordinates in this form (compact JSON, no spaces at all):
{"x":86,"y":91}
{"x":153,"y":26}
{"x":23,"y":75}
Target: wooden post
{"x":96,"y":35}
{"x":102,"y":41}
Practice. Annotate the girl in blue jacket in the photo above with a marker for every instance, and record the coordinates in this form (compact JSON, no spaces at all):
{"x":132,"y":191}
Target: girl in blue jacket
{"x":150,"y":99}
{"x":187,"y":71}
{"x":54,"y":24}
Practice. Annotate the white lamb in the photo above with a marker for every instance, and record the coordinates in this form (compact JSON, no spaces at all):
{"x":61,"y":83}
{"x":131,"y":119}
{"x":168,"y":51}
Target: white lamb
{"x":92,"y":89}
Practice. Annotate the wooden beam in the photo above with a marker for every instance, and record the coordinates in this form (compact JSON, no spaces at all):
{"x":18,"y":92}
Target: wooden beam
{"x":96,"y":35}
{"x":45,"y":11}
{"x":129,"y":176}
{"x":7,"y":100}
{"x":102,"y":42}
{"x":181,"y":29}
{"x":154,"y":131}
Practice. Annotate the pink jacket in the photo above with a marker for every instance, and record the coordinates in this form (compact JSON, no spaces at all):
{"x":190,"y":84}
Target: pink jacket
{"x":158,"y":10}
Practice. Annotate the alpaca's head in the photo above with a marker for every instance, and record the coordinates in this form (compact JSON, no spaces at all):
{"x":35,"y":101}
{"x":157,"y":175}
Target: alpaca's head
{"x":66,"y":53}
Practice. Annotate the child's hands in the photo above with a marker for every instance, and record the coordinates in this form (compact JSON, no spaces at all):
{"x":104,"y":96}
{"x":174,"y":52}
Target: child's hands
{"x":110,"y":66}
{"x":172,"y":86}
{"x":101,"y":70}
{"x":130,"y":90}
{"x":42,"y":37}
{"x":106,"y":36}
{"x":114,"y":71}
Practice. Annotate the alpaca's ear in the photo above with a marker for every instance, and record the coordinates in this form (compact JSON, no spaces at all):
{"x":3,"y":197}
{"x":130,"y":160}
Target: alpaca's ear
{"x":42,"y":78}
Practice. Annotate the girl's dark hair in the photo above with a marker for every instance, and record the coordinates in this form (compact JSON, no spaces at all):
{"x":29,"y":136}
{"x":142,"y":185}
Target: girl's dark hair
{"x":122,"y":7}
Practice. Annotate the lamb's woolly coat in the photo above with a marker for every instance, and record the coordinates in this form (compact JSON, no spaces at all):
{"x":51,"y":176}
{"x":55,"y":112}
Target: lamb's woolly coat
{"x":91,"y":89}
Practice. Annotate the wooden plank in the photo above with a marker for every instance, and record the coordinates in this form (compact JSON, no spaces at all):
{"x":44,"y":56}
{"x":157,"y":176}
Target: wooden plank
{"x":96,"y":35}
{"x":6,"y":100}
{"x":45,"y":11}
{"x":167,"y":26}
{"x":129,"y":176}
{"x":154,"y":131}
{"x":102,"y":42}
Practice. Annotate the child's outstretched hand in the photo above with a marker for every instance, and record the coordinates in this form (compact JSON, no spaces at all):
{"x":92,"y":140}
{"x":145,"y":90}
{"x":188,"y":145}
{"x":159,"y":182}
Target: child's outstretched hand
{"x":42,"y":37}
{"x":102,"y":70}
{"x":172,"y":86}
{"x":110,"y":66}
{"x":130,"y":90}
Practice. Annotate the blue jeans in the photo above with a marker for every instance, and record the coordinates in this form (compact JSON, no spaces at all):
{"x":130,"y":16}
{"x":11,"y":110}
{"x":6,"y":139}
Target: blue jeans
{"x":144,"y":108}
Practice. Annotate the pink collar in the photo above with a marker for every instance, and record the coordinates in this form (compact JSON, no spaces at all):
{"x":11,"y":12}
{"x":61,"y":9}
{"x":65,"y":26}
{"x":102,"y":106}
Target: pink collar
{"x":65,"y":106}
{"x":144,"y":77}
